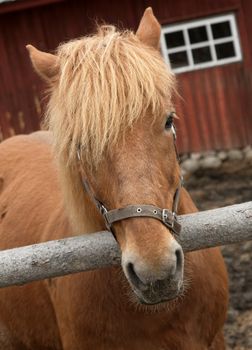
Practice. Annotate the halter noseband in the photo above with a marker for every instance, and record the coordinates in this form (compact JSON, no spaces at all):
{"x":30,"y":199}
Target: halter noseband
{"x":166,"y":216}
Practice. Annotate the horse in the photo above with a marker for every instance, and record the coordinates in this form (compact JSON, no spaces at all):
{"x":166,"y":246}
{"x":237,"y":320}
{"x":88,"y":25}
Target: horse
{"x":109,"y":147}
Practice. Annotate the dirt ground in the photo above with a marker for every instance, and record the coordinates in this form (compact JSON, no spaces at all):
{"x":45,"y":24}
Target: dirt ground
{"x":231,"y":184}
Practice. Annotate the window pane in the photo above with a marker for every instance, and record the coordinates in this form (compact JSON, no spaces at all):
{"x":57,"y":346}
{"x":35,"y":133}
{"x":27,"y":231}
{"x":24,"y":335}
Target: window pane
{"x":174,"y":39}
{"x":225,"y":50}
{"x":221,"y":30}
{"x":197,"y":34}
{"x":201,"y":55}
{"x":178,"y":59}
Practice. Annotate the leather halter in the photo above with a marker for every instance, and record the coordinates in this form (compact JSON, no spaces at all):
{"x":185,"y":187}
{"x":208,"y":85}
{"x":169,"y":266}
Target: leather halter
{"x":166,"y":216}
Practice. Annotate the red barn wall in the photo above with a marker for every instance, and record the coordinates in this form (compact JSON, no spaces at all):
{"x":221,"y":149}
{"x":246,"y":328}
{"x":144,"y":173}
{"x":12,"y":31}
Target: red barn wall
{"x":216,"y":109}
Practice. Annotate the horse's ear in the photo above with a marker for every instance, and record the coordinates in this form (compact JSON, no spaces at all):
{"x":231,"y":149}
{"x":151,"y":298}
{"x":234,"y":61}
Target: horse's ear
{"x":149,"y":29}
{"x":45,"y":64}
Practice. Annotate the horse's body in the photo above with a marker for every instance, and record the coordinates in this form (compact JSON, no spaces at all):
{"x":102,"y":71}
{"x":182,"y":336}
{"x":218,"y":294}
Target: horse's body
{"x":96,"y":310}
{"x":75,"y":312}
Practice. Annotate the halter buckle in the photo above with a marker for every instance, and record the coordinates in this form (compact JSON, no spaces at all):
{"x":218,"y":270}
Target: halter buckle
{"x":165,"y":218}
{"x":103,"y":209}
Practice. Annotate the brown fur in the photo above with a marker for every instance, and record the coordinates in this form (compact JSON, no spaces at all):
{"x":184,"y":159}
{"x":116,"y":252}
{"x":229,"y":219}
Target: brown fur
{"x":97,"y":310}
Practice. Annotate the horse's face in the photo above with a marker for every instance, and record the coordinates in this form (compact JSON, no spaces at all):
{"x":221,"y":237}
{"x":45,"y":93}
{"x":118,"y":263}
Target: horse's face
{"x":143,"y":169}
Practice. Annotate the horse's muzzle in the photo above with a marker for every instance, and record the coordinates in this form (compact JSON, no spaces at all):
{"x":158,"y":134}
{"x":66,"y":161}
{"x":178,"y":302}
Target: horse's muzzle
{"x":157,"y":284}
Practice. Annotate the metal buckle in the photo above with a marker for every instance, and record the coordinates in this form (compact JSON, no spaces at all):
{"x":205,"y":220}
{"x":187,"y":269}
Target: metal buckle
{"x":165,"y":215}
{"x":103,"y":210}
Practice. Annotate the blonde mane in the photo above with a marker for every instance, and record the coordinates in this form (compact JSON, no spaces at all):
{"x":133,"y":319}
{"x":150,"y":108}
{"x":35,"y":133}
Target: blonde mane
{"x":107,"y":81}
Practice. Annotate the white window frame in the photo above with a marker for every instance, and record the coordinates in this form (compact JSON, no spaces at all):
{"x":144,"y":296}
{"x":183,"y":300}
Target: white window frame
{"x":207,"y":21}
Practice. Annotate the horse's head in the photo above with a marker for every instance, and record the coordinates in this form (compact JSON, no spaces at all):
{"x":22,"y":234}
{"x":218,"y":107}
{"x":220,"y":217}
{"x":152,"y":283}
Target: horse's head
{"x":109,"y":112}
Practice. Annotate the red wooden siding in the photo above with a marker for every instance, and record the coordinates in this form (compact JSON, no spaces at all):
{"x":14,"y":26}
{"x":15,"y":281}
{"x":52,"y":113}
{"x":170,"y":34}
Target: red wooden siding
{"x":216,"y":106}
{"x":216,"y":111}
{"x":17,"y":5}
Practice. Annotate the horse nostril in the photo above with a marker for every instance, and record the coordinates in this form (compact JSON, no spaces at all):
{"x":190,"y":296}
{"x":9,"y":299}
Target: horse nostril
{"x":133,"y":277}
{"x":179,"y":260}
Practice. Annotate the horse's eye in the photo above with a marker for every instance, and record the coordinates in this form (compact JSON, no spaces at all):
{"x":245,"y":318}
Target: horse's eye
{"x":169,"y":121}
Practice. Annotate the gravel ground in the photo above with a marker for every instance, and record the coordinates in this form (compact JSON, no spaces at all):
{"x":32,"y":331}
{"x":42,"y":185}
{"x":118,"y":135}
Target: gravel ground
{"x":227,"y":185}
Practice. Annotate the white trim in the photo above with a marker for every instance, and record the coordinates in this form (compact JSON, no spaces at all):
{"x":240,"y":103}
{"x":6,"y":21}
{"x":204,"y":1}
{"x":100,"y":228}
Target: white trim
{"x":211,"y":42}
{"x":187,"y":45}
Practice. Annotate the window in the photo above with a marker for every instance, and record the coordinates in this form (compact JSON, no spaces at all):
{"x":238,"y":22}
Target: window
{"x":201,"y":43}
